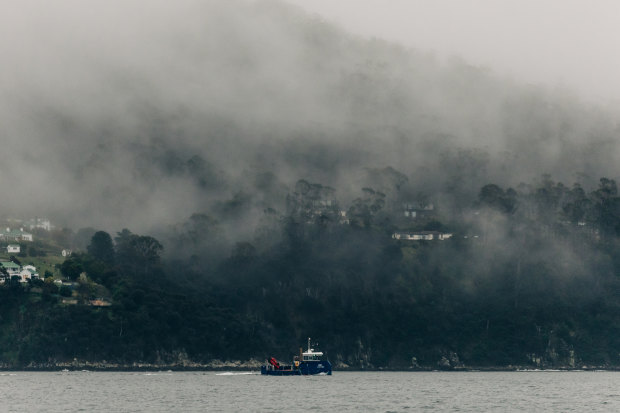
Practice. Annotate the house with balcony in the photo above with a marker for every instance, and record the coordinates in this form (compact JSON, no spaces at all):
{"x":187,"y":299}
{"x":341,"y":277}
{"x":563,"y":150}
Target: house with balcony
{"x":15,"y":235}
{"x":11,"y":269}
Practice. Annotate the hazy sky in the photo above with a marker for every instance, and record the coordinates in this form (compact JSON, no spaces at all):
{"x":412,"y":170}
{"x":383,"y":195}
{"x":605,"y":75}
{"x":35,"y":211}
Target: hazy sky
{"x":573,"y":44}
{"x":108,"y":101}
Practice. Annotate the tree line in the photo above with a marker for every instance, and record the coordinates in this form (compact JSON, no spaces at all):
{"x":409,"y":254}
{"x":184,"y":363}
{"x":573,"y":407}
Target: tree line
{"x":530,"y":278}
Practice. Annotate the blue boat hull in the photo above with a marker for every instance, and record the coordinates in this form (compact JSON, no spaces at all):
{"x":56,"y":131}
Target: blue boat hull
{"x":306,"y":368}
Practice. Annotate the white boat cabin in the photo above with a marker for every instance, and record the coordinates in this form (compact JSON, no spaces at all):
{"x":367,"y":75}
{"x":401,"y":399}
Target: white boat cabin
{"x":310,"y":354}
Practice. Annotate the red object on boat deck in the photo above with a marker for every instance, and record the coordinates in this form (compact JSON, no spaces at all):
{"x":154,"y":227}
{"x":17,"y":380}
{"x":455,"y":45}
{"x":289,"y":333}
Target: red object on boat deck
{"x":274,"y":363}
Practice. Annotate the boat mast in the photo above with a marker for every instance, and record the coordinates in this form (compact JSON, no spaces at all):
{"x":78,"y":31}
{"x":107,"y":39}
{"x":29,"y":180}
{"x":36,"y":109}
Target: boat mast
{"x":308,"y":344}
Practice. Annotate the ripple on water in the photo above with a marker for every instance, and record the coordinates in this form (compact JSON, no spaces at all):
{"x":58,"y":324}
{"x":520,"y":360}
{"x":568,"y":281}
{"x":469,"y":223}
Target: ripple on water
{"x":343,"y":392}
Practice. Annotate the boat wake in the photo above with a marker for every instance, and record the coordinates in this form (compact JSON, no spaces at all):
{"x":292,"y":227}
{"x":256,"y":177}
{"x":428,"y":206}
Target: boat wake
{"x":237,"y":373}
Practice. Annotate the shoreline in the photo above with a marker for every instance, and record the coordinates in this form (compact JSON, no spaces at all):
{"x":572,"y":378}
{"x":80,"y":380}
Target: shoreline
{"x":147,"y":367}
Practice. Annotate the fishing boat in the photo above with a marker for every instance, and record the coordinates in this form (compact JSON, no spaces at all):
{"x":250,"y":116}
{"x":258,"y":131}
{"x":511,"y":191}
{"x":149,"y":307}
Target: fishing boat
{"x":309,"y":362}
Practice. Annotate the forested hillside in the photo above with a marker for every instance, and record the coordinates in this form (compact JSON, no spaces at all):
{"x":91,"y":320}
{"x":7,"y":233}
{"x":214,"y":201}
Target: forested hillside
{"x":263,"y":160}
{"x":529,"y":278}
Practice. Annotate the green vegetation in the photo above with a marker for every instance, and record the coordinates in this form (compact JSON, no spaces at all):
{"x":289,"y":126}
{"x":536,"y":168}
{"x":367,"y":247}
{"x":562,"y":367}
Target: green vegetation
{"x":530,"y":278}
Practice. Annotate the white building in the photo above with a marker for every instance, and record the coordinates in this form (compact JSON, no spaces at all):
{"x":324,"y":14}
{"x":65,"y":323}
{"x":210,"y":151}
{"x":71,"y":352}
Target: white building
{"x":15,"y":235}
{"x":28,"y":272}
{"x":13,"y":249}
{"x":40,"y":223}
{"x":422,"y":236}
{"x":415,"y":210}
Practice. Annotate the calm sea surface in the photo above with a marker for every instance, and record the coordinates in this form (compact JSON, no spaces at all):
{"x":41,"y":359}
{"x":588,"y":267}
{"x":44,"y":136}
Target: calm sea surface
{"x":380,"y":392}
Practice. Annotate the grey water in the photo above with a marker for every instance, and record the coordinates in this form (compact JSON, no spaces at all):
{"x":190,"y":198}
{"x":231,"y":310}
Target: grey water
{"x":343,"y":392}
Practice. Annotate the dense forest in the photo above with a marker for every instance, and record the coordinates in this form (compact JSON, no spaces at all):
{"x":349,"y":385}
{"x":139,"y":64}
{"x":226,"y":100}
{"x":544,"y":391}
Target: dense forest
{"x":529,"y":278}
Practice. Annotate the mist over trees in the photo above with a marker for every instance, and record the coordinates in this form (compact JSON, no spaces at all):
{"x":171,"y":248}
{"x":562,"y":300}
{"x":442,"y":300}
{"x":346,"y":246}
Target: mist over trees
{"x":529,"y":277}
{"x":149,"y":123}
{"x":267,"y":158}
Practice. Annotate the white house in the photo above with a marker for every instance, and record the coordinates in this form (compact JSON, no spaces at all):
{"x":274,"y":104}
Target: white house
{"x":414,"y":210}
{"x":13,"y":249}
{"x":12,"y":269}
{"x":421,"y":236}
{"x":28,"y":272}
{"x":15,"y":235}
{"x":25,"y":236}
{"x":40,"y":223}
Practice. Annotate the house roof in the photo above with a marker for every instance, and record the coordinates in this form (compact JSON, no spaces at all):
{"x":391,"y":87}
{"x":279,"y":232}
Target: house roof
{"x":16,"y":233}
{"x":9,"y":264}
{"x":29,"y":271}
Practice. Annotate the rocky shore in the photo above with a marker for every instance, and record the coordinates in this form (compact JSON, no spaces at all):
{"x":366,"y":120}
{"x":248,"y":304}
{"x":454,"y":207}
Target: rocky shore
{"x":214,"y":365}
{"x":254,"y":365}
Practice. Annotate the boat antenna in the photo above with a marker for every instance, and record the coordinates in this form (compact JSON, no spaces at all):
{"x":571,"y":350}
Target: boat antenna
{"x":308,"y":344}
